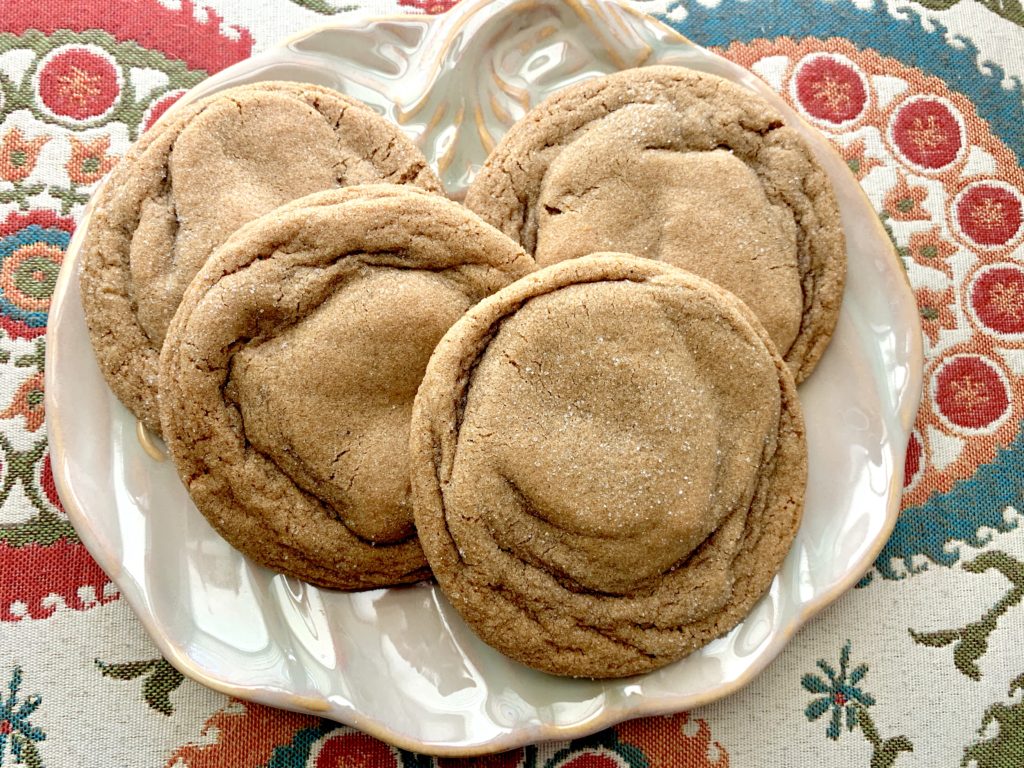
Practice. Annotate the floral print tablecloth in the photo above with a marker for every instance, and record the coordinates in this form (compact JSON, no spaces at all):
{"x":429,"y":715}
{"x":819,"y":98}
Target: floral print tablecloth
{"x":920,"y":665}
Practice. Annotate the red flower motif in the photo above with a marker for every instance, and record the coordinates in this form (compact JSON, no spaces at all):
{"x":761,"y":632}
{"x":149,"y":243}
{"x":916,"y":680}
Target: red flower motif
{"x":429,"y":6}
{"x":17,"y":156}
{"x":990,"y":214}
{"x":971,"y":392}
{"x":89,"y":160}
{"x":79,"y":84}
{"x":352,"y":749}
{"x":830,"y":88}
{"x":28,"y":402}
{"x":665,"y":744}
{"x":928,"y":133}
{"x":997,"y":298}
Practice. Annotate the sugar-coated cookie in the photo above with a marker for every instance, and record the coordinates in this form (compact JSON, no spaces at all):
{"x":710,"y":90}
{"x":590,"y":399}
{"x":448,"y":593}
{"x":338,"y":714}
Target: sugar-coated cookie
{"x":191,"y":181}
{"x":609,"y":465}
{"x":687,"y":168}
{"x":289,"y":371}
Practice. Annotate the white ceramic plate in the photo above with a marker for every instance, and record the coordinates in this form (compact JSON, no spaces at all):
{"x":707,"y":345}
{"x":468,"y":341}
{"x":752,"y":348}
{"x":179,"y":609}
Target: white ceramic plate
{"x":399,"y":663}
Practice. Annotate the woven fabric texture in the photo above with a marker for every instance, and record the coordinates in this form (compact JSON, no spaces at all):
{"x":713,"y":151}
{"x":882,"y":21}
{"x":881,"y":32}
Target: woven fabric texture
{"x":920,"y":665}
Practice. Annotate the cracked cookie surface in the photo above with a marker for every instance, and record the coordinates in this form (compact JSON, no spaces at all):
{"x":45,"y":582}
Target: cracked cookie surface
{"x":686,"y":168}
{"x":191,"y":181}
{"x":289,"y":372}
{"x":609,"y":465}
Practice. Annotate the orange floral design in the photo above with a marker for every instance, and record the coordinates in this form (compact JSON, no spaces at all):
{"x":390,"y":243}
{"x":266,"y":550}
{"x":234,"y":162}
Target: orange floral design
{"x":246,"y":734}
{"x":930,"y":250}
{"x":666,"y":745}
{"x":18,"y":156}
{"x":860,"y":164}
{"x":28,"y":402}
{"x":903,"y":202}
{"x":89,"y":160}
{"x":936,"y":309}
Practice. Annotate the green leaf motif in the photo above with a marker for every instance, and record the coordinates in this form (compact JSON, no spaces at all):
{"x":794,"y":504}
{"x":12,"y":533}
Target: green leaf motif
{"x":20,"y":193}
{"x":161,"y":680}
{"x":69,"y":198}
{"x":867,"y":726}
{"x":127,"y":671}
{"x":972,"y":640}
{"x":323,"y":7}
{"x":35,"y":359}
{"x":1010,"y":10}
{"x":1006,"y":747}
{"x":938,"y":639}
{"x":22,"y":469}
{"x":885,"y":754}
{"x":29,"y":754}
{"x":159,"y":685}
{"x":1017,"y":684}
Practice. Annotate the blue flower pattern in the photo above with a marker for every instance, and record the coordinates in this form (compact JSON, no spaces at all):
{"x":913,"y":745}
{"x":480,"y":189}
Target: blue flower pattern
{"x":842,"y":696}
{"x":15,"y":725}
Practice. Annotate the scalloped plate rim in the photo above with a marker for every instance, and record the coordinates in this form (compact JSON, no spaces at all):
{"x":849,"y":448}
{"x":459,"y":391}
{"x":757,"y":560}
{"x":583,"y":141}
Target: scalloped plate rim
{"x":510,"y":738}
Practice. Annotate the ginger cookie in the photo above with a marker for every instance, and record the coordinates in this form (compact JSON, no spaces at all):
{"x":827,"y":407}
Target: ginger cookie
{"x":289,"y":371}
{"x":191,"y":181}
{"x":609,"y":465}
{"x":687,"y":168}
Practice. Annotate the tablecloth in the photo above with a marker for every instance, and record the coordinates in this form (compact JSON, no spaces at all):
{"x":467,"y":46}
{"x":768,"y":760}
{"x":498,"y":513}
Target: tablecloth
{"x":920,"y":665}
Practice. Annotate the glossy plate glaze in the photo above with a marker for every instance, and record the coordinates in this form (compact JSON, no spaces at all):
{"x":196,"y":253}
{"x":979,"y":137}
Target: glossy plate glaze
{"x":400,"y":663}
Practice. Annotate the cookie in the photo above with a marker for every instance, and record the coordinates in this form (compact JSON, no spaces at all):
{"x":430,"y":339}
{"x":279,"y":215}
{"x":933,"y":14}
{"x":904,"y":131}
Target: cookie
{"x":609,"y":465}
{"x":191,"y":181}
{"x":683,"y":167}
{"x":288,"y":374}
